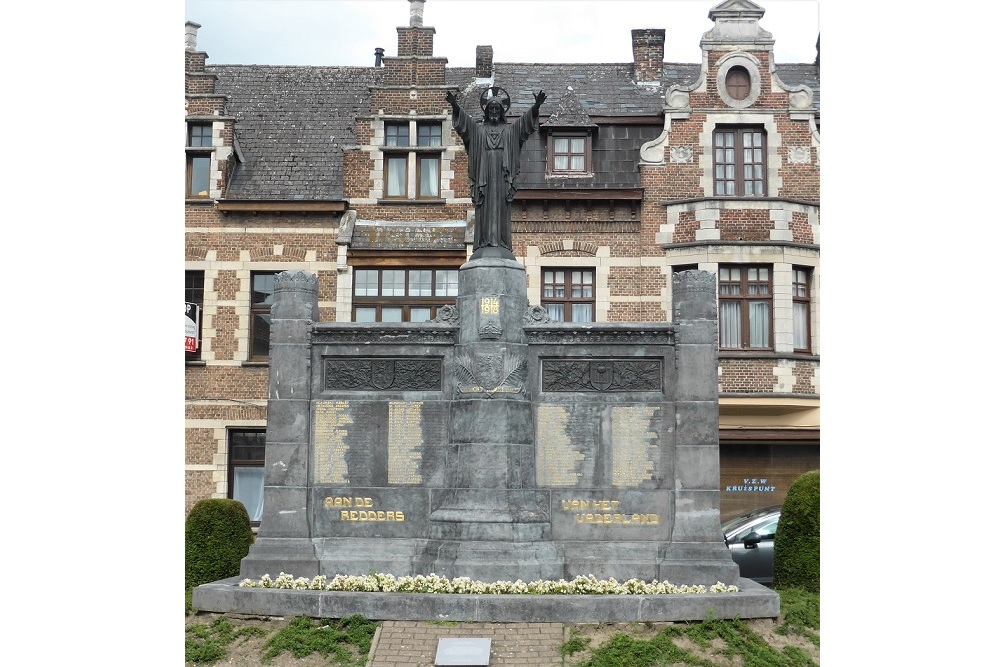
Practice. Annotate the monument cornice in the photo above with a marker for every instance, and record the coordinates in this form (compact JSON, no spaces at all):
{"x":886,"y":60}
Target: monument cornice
{"x":614,"y":334}
{"x":390,"y":334}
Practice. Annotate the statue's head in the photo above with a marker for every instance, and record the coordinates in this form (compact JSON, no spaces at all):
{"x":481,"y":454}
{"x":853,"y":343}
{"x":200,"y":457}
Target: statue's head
{"x":494,"y":112}
{"x":494,"y":102}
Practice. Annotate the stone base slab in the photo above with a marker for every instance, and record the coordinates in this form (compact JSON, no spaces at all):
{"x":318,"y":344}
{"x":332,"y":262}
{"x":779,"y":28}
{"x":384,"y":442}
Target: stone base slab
{"x":225,"y":596}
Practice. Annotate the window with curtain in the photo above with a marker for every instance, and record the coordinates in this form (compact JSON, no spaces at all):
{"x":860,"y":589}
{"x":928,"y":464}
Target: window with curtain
{"x":420,"y":165}
{"x":569,"y":154}
{"x":745,"y":307}
{"x":800,"y":309}
{"x":402,"y":294}
{"x":568,"y":294}
{"x":739,"y":161}
{"x":246,"y":470}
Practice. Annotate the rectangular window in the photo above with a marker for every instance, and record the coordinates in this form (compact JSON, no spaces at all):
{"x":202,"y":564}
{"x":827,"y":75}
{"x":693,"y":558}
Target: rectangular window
{"x":428,"y":175}
{"x":569,"y":154}
{"x":402,"y":295}
{"x":739,"y":163}
{"x":428,"y":134}
{"x":261,"y":298}
{"x":568,"y":294}
{"x":395,"y":176}
{"x":199,"y":134}
{"x":199,"y":163}
{"x":426,"y":179}
{"x":397,"y":134}
{"x":194,"y":292}
{"x":246,"y":470}
{"x":800,"y":310}
{"x":745,"y":307}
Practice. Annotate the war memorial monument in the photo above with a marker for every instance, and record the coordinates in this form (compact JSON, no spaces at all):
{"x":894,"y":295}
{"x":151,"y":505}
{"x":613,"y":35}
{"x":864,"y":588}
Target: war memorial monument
{"x":492,"y":443}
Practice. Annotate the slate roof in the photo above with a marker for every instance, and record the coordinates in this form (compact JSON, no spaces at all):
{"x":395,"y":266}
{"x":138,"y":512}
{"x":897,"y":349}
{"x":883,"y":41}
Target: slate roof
{"x":292,"y":124}
{"x":801,"y":74}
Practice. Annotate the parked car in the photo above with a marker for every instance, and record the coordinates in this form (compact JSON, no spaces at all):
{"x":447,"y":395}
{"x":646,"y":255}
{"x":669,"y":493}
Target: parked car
{"x":750,"y":538}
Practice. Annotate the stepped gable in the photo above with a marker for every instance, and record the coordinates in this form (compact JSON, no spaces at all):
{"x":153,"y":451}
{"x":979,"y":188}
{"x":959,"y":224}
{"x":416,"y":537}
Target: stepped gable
{"x":292,"y":125}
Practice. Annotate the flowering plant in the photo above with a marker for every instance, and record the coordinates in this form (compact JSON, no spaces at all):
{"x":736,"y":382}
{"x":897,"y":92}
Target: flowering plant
{"x":432,"y":583}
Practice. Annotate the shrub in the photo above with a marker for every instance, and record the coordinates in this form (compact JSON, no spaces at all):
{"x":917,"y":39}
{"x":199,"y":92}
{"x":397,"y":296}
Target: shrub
{"x":796,"y":542}
{"x":217,"y":535}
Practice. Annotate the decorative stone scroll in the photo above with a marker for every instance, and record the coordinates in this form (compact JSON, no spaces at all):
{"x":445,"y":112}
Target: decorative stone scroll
{"x":602,"y":375}
{"x":382,"y":374}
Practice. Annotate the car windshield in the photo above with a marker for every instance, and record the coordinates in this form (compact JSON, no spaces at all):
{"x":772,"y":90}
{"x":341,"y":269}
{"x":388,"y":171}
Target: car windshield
{"x":743,"y":518}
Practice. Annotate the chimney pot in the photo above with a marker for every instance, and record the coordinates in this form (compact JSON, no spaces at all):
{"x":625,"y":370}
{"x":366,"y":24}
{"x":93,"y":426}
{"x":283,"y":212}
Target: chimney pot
{"x":379,"y":52}
{"x":416,"y":13}
{"x":191,"y":35}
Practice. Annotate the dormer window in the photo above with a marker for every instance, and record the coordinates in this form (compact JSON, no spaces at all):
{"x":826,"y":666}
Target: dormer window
{"x":569,"y":154}
{"x":199,"y":160}
{"x":415,"y":172}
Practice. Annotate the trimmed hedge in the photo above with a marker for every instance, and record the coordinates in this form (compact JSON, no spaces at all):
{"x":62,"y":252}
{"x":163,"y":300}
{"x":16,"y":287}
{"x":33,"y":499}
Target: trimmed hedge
{"x":796,"y":542}
{"x":217,"y":535}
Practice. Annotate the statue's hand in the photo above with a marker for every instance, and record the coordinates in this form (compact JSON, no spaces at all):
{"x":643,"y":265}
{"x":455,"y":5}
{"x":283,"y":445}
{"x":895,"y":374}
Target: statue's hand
{"x":539,"y":98}
{"x":452,"y":100}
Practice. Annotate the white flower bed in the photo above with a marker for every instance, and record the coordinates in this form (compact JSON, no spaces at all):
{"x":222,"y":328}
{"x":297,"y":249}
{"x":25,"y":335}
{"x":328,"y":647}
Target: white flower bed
{"x":432,"y":583}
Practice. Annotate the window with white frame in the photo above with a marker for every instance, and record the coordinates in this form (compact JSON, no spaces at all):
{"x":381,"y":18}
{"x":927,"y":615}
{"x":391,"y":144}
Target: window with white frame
{"x":402,"y":294}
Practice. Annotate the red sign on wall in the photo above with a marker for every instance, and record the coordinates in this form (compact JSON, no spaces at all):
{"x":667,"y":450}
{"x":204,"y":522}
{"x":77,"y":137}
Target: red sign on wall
{"x":192,"y":328}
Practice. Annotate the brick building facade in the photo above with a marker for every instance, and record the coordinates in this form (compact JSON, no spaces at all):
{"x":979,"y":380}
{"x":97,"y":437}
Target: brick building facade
{"x":638,"y":170}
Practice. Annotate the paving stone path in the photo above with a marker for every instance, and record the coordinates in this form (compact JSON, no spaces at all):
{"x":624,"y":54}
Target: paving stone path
{"x":414,"y":643}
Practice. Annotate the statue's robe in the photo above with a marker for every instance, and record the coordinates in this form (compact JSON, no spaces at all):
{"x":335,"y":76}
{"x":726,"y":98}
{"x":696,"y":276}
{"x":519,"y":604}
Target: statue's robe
{"x":494,"y":160}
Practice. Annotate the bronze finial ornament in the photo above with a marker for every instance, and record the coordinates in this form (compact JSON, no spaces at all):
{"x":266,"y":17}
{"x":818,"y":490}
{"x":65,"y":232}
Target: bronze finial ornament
{"x":494,"y":149}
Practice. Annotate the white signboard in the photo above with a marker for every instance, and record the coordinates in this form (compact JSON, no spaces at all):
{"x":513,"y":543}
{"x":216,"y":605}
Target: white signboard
{"x":192,"y":321}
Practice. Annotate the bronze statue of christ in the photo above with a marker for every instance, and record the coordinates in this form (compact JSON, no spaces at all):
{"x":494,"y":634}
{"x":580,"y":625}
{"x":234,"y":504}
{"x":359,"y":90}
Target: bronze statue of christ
{"x":494,"y":149}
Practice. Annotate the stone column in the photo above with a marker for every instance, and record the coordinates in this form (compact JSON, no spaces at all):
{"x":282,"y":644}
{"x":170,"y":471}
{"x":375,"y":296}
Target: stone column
{"x":284,"y":539}
{"x":696,"y":553}
{"x":490,"y":501}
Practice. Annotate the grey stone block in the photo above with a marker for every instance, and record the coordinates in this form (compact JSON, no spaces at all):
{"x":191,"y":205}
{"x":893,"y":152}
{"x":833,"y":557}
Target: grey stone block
{"x":753,"y":601}
{"x":697,"y":467}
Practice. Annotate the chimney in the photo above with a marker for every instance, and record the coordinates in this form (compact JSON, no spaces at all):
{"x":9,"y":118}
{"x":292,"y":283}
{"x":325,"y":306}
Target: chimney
{"x":191,"y":35}
{"x":484,"y":62}
{"x":416,"y":13}
{"x":647,"y":54}
{"x":379,"y":52}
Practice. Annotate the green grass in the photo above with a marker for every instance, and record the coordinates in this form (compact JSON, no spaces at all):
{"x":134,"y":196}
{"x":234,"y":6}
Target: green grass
{"x":346,"y":641}
{"x":208,"y":643}
{"x":574,"y":644}
{"x":799,"y":615}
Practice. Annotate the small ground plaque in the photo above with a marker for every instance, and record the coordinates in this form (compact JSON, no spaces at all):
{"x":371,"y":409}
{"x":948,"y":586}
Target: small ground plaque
{"x":462,"y":652}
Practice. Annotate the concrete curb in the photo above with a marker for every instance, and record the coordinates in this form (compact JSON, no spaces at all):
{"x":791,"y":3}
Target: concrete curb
{"x":753,"y":601}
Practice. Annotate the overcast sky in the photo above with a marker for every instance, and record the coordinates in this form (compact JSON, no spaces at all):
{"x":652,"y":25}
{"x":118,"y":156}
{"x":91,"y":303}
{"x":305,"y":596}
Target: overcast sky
{"x":346,"y":32}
